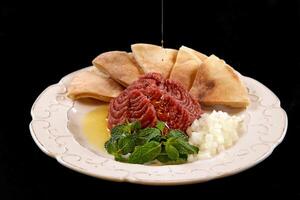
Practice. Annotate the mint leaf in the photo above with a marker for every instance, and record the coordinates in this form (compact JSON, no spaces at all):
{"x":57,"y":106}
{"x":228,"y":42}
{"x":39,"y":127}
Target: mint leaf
{"x":172,"y":152}
{"x":163,"y":158}
{"x":147,"y":134}
{"x":120,"y":158}
{"x":118,"y":133}
{"x":184,"y":147}
{"x":177,"y":134}
{"x":126,"y":144}
{"x":135,"y":126}
{"x":183,"y":157}
{"x":119,"y":130}
{"x":111,"y":146}
{"x":167,"y":161}
{"x":160,"y":126}
{"x":145,"y":153}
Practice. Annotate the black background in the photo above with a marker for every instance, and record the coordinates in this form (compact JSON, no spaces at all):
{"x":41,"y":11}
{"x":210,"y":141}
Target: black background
{"x":40,"y":43}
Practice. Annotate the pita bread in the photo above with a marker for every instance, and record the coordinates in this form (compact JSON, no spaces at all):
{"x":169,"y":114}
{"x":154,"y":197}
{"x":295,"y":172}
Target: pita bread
{"x":119,"y":65}
{"x":201,"y":56}
{"x":185,"y":67}
{"x":94,"y":70}
{"x":217,"y":83}
{"x":153,"y":58}
{"x":88,"y":84}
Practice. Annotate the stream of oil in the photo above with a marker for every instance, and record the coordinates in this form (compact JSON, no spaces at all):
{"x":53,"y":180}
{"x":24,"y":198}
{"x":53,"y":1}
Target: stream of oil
{"x":162,"y":23}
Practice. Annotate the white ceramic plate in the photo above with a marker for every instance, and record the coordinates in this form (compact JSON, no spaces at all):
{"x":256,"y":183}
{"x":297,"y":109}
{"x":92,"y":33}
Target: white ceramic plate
{"x":56,"y":130}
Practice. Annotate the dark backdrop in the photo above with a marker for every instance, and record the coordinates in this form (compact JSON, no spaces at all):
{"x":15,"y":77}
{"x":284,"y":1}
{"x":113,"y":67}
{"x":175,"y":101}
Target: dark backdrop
{"x":40,"y":43}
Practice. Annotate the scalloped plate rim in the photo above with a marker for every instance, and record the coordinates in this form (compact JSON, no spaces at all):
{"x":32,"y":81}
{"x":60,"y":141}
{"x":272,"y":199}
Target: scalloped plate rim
{"x":154,"y":182}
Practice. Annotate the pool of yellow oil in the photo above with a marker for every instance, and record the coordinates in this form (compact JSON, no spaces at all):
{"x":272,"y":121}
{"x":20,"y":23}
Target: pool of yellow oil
{"x":95,"y":127}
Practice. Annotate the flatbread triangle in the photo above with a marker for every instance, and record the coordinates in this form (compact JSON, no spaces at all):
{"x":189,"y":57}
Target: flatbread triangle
{"x":153,"y":58}
{"x":217,"y":83}
{"x":185,"y":67}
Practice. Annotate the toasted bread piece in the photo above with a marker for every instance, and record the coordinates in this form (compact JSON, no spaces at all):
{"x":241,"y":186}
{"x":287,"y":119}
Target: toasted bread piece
{"x":153,"y":58}
{"x":217,"y":83}
{"x":119,"y":65}
{"x":92,"y":84}
{"x":201,"y":56}
{"x":185,"y":67}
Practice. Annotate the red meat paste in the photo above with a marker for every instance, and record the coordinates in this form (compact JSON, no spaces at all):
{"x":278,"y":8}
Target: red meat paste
{"x":153,"y":98}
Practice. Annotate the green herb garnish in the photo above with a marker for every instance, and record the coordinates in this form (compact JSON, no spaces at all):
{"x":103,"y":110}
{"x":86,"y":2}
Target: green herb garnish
{"x":146,"y":135}
{"x":161,"y":126}
{"x":130,"y":143}
{"x":145,"y":153}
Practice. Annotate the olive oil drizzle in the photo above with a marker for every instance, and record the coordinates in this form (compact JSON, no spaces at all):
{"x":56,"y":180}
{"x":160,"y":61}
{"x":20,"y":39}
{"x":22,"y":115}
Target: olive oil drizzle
{"x":162,"y":23}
